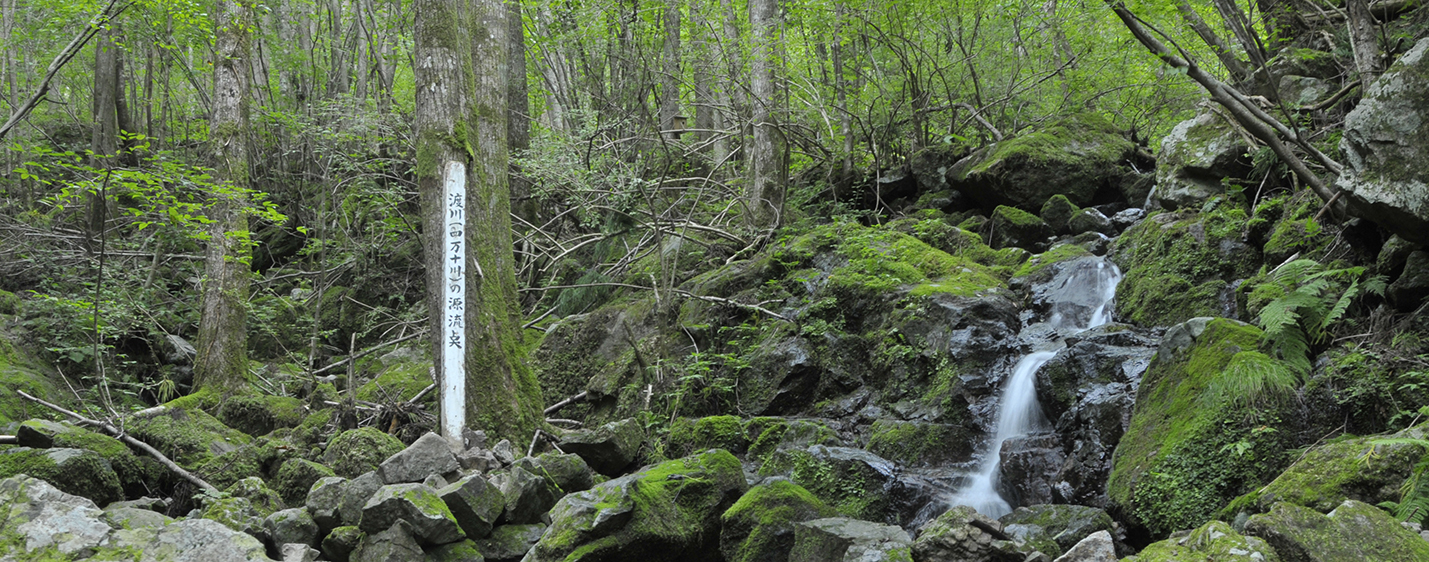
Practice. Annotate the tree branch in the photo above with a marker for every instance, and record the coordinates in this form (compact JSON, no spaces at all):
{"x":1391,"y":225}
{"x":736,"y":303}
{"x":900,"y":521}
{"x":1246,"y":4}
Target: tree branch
{"x":96,"y":23}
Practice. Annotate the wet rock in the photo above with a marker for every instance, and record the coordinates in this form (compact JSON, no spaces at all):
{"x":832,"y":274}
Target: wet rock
{"x":608,"y":449}
{"x":393,"y":544}
{"x":429,"y":520}
{"x":291,"y":526}
{"x":1353,"y":531}
{"x":1125,"y":219}
{"x":475,"y":504}
{"x":848,"y":540}
{"x":1030,"y":464}
{"x":528,"y":497}
{"x":760,"y":526}
{"x":1096,"y":548}
{"x":1090,"y":220}
{"x":510,"y":543}
{"x":430,"y":454}
{"x":1213,"y":542}
{"x":668,"y":511}
{"x":964,"y":534}
{"x":356,"y":451}
{"x":1385,"y":140}
{"x":1195,"y":156}
{"x":324,"y":502}
{"x":1067,"y":525}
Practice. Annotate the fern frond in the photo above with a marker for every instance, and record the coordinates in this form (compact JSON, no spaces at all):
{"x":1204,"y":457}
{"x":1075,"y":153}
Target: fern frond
{"x":1290,"y":274}
{"x":1336,"y":311}
{"x":1376,"y":285}
{"x":1252,"y":377}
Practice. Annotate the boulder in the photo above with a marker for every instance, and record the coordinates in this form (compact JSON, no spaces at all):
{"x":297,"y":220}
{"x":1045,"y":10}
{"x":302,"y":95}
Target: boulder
{"x":855,"y":482}
{"x":475,"y":504}
{"x":669,"y":511}
{"x":1125,"y":219}
{"x":430,"y":454}
{"x":39,"y":519}
{"x":1303,"y":90}
{"x":1030,"y":464}
{"x":1180,"y":266}
{"x":74,"y":471}
{"x":1057,"y":212}
{"x":235,"y":513}
{"x":920,"y":444}
{"x":1354,"y":531}
{"x":393,"y":544}
{"x":1195,"y":156}
{"x":1408,"y":291}
{"x":464,"y":551}
{"x":1213,"y":542}
{"x":296,"y":477}
{"x":1013,"y":227}
{"x":195,"y":540}
{"x":1083,"y":157}
{"x":760,"y":526}
{"x":565,"y":473}
{"x":839,"y":539}
{"x":356,"y":451}
{"x":295,"y":552}
{"x":1348,"y":469}
{"x":263,"y":499}
{"x":608,"y":449}
{"x":339,"y":544}
{"x":510,"y":543}
{"x":962,"y":533}
{"x":189,"y":436}
{"x":121,"y":517}
{"x":1095,"y":548}
{"x":291,"y":526}
{"x":355,"y":496}
{"x":528,"y":496}
{"x":1090,"y":220}
{"x":714,"y":432}
{"x":324,"y":502}
{"x":419,"y":506}
{"x":1386,"y":139}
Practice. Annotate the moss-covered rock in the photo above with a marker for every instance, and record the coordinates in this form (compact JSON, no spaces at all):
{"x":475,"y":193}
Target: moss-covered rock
{"x":760,"y":526}
{"x":419,"y":506}
{"x":1195,"y":156}
{"x":851,"y":480}
{"x":235,"y":513}
{"x":1353,"y":468}
{"x":669,"y":511}
{"x":10,"y":303}
{"x":360,"y":450}
{"x":841,"y":538}
{"x":1213,"y":542}
{"x":1057,"y":213}
{"x":74,"y":471}
{"x":259,"y":414}
{"x":1189,"y":450}
{"x":1081,"y":156}
{"x":715,"y":432}
{"x":264,"y":500}
{"x":1179,"y":267}
{"x":608,"y":449}
{"x":510,"y":543}
{"x":769,"y":435}
{"x":296,"y":477}
{"x":961,"y":533}
{"x":339,"y":544}
{"x":920,"y":444}
{"x":1016,"y":228}
{"x":1354,"y":531}
{"x":259,"y":458}
{"x":21,"y":372}
{"x":1066,"y":525}
{"x":189,"y":436}
{"x":135,"y":472}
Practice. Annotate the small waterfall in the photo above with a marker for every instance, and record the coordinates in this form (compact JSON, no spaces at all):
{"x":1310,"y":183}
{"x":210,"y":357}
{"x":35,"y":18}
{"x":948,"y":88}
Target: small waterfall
{"x":1150,"y":195}
{"x":1086,"y":293}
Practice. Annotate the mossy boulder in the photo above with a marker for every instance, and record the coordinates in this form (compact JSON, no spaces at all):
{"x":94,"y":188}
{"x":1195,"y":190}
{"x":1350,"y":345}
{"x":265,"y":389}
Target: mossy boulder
{"x":339,"y":544}
{"x":1354,"y":468}
{"x":1066,"y":525}
{"x":510,"y":543}
{"x":769,"y":435}
{"x":1354,"y":531}
{"x":10,"y":303}
{"x":189,"y":436}
{"x":608,"y":449}
{"x":669,"y":511}
{"x":1180,"y":266}
{"x":714,"y":432}
{"x":962,"y":533}
{"x":419,"y":506}
{"x":914,"y":444}
{"x":360,"y":450}
{"x":259,"y":414}
{"x":233,"y":512}
{"x":1016,"y":228}
{"x":1190,"y":448}
{"x":564,"y":473}
{"x":1057,"y":213}
{"x":841,"y":538}
{"x":1213,"y":542}
{"x":259,"y":458}
{"x":296,"y":477}
{"x":264,"y":500}
{"x":760,"y":526}
{"x":852,"y":481}
{"x":135,"y":472}
{"x":1082,"y":157}
{"x":21,"y":372}
{"x":80,"y":472}
{"x":1195,"y":157}
{"x":402,"y":375}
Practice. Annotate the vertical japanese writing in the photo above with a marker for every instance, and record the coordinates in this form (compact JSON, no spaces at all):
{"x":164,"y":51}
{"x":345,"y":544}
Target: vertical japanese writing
{"x":453,"y":325}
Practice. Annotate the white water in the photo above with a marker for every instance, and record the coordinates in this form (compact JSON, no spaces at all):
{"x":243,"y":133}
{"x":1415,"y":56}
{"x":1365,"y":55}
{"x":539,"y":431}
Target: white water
{"x":1018,"y":412}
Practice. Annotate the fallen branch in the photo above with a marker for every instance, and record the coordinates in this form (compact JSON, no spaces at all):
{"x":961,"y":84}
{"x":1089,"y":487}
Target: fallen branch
{"x":13,"y":440}
{"x":564,"y":403}
{"x":369,"y":351}
{"x":422,"y":393}
{"x":565,"y":421}
{"x":120,"y":435}
{"x":1332,"y":100}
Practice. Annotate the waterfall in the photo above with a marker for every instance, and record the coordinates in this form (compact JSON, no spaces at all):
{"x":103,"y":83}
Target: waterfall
{"x":1082,"y":301}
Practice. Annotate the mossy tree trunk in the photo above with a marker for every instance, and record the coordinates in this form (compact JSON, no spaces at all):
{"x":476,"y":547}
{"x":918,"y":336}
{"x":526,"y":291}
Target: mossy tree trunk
{"x":767,"y":171}
{"x":222,"y":361}
{"x":461,"y":78}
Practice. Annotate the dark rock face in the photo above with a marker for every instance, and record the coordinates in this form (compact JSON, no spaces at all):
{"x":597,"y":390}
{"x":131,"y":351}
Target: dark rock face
{"x":839,"y":538}
{"x":1386,"y":142}
{"x":527,"y":496}
{"x":1015,"y":228}
{"x":964,"y":534}
{"x":608,"y":449}
{"x":1408,"y":291}
{"x":1030,"y":464}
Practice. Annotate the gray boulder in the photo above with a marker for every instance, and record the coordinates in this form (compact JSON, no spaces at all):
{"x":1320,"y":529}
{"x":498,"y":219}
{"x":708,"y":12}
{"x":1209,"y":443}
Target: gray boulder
{"x":428,"y":455}
{"x":1213,"y":542}
{"x":393,"y":544}
{"x":964,"y":534}
{"x":475,"y":503}
{"x":510,"y":543}
{"x":839,"y":539}
{"x":295,"y":552}
{"x":1195,"y":156}
{"x":41,"y":518}
{"x":528,"y":497}
{"x":1090,"y":220}
{"x":325,"y":502}
{"x":608,"y":449}
{"x":1386,"y":142}
{"x":1096,"y":548}
{"x":200,"y":540}
{"x":355,"y":495}
{"x":264,"y":500}
{"x":291,"y":526}
{"x":566,"y":473}
{"x":339,"y":544}
{"x":429,"y":520}
{"x":122,"y":517}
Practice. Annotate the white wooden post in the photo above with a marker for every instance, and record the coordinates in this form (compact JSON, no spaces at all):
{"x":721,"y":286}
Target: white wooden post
{"x":453,"y":357}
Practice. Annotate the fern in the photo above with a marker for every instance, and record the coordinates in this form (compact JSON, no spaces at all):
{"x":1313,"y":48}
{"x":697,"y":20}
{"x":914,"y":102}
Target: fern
{"x":1252,"y":377}
{"x":1311,"y":304}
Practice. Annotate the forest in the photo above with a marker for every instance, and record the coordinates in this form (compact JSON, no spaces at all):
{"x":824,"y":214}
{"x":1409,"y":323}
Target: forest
{"x":956,"y":280}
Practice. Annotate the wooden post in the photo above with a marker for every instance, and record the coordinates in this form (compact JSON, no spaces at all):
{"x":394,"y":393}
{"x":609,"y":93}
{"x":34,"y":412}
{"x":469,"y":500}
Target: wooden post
{"x":453,"y":354}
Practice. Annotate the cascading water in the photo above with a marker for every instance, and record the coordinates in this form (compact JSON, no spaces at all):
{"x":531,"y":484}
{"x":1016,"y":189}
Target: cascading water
{"x":1086,"y":293}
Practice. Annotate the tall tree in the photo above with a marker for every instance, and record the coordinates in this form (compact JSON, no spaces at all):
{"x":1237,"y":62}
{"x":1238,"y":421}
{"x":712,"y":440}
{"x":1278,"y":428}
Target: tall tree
{"x":104,"y":136}
{"x":767,"y":170}
{"x":1363,"y":40}
{"x":222,"y":361}
{"x":460,"y":125}
{"x":670,"y":73}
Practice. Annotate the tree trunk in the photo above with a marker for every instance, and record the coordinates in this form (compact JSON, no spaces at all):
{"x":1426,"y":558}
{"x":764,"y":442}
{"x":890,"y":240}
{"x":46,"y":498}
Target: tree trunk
{"x":461,"y":128}
{"x":670,"y":71}
{"x":222,"y":361}
{"x":767,"y":172}
{"x":104,"y":137}
{"x":518,"y":132}
{"x":1363,"y":40}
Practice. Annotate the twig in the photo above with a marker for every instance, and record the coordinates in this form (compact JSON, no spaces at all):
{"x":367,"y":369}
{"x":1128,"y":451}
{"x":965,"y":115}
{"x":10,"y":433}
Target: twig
{"x":368,"y":351}
{"x":75,"y":45}
{"x":558,"y":405}
{"x":1332,"y":100}
{"x":534,"y":437}
{"x":422,"y":393}
{"x":565,"y":421}
{"x":114,"y":431}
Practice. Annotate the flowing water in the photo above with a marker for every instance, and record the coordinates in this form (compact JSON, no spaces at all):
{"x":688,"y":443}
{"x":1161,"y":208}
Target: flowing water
{"x":1082,"y":301}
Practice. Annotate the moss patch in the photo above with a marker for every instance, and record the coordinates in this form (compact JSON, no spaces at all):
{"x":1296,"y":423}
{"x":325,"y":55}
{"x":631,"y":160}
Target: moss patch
{"x":360,"y":450}
{"x":74,"y":471}
{"x":1177,"y":266}
{"x":714,"y":432}
{"x":760,"y":526}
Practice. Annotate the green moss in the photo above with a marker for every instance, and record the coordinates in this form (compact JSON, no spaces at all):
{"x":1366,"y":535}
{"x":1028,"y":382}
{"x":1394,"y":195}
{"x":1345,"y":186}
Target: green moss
{"x":1058,"y":254}
{"x":314,"y":428}
{"x":881,"y":260}
{"x":188,"y":436}
{"x":74,"y":471}
{"x":915,"y":444}
{"x":1017,"y":217}
{"x":296,"y":477}
{"x":714,"y":432}
{"x":399,"y":382}
{"x":1213,"y":542}
{"x":762,"y":521}
{"x":1325,"y":476}
{"x":10,"y":303}
{"x":1297,"y":232}
{"x":1176,"y":266}
{"x":360,"y":450}
{"x":135,"y":473}
{"x":263,"y":499}
{"x":259,"y":414}
{"x":1049,"y":146}
{"x":1181,"y":461}
{"x":19,"y":372}
{"x":851,"y":487}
